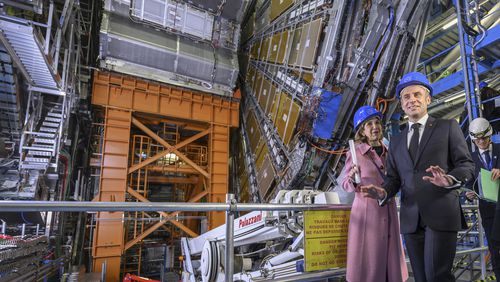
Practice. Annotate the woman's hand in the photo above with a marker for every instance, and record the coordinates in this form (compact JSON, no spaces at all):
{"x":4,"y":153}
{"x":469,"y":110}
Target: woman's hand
{"x":374,"y":192}
{"x":352,"y":172}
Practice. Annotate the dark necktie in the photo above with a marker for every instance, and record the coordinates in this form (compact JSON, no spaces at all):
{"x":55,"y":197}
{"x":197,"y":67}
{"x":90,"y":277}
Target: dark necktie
{"x":414,"y":141}
{"x":487,"y":159}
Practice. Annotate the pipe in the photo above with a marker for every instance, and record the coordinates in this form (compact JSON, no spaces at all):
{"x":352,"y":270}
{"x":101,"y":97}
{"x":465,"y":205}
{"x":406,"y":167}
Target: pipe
{"x":20,"y":20}
{"x":470,"y":251}
{"x":71,"y":206}
{"x":284,"y":257}
{"x":229,"y":259}
{"x":49,"y":26}
{"x":56,"y":54}
{"x":312,"y":276}
{"x":103,"y":270}
{"x":38,"y":273}
{"x":481,"y":245}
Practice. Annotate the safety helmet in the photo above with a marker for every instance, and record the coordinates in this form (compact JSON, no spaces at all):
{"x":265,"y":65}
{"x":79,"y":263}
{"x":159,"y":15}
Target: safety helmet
{"x":483,"y":84}
{"x":363,"y":114}
{"x":413,"y":78}
{"x":480,"y":128}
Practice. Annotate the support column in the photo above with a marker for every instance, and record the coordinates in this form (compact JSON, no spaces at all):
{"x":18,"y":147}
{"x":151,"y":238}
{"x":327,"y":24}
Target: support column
{"x":109,"y":231}
{"x":469,"y":63}
{"x":219,"y":171}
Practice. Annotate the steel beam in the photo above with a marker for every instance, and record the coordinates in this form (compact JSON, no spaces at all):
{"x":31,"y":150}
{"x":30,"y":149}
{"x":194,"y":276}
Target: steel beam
{"x":175,"y":222}
{"x":168,"y":150}
{"x":172,"y":179}
{"x":163,"y":221}
{"x":172,"y":168}
{"x":160,"y":140}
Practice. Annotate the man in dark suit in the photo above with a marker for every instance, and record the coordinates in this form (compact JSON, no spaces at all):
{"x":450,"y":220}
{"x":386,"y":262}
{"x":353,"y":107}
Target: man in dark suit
{"x":485,"y":157}
{"x":427,"y":162}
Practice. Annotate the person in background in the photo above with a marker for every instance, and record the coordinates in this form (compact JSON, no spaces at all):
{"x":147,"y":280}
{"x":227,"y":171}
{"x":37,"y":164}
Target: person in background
{"x":374,"y":249}
{"x":427,"y":162}
{"x":486,"y":156}
{"x":490,"y":109}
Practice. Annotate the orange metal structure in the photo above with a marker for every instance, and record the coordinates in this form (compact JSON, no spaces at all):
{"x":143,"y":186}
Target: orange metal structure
{"x":108,"y":236}
{"x":194,"y":170}
{"x":126,"y":92}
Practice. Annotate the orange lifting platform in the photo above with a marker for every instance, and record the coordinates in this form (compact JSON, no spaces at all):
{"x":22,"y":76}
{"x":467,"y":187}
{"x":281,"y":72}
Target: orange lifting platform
{"x":125,"y":100}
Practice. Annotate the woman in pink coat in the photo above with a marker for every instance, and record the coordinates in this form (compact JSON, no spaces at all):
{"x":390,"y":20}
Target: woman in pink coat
{"x":374,"y":249}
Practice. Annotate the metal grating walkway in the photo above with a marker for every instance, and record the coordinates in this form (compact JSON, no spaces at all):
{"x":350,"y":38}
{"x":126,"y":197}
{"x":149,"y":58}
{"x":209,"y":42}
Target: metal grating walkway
{"x":24,"y":46}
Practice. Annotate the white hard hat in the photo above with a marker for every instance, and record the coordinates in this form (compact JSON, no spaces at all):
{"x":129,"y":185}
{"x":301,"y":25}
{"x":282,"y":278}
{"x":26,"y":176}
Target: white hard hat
{"x":480,"y":128}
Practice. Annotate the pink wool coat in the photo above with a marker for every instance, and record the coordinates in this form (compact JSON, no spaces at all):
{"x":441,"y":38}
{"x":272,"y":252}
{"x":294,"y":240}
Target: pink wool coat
{"x":374,"y":249}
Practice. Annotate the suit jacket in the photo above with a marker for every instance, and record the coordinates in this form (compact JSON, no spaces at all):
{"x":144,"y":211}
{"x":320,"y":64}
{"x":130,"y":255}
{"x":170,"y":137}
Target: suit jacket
{"x":442,"y":144}
{"x":495,"y":232}
{"x":487,"y":209}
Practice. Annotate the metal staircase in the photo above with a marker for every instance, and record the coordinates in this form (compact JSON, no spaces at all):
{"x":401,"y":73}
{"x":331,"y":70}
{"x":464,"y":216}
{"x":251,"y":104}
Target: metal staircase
{"x":42,"y":129}
{"x":40,"y":148}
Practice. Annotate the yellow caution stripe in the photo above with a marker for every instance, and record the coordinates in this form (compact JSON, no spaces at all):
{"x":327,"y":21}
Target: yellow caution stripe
{"x":489,"y":278}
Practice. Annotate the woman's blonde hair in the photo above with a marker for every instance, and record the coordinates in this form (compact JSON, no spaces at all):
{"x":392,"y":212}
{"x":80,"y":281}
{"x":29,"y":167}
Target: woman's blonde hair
{"x":360,"y":137}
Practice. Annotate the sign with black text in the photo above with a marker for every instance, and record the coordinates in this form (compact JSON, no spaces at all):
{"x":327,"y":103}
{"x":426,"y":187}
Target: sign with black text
{"x":325,"y":239}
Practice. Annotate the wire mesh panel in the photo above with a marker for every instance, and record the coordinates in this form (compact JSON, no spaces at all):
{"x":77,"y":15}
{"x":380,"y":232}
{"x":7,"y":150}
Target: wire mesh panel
{"x":138,"y":50}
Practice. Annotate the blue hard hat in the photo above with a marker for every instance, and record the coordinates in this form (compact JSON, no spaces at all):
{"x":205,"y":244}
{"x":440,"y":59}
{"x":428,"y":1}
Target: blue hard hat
{"x":363,"y":114}
{"x":483,"y":84}
{"x":413,"y":78}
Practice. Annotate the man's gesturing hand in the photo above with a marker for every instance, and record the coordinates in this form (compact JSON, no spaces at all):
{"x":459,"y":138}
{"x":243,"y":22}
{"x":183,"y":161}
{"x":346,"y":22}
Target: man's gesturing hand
{"x":439,"y":177}
{"x":372,"y":191}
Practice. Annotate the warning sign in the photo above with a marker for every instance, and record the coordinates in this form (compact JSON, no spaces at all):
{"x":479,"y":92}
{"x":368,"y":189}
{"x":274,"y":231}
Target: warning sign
{"x":325,"y":239}
{"x":319,"y":224}
{"x":325,"y":253}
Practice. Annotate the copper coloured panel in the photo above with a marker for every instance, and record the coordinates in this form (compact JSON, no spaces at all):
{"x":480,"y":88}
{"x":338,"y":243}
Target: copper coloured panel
{"x":278,"y":7}
{"x":265,"y":176}
{"x":279,"y":46}
{"x":309,"y":43}
{"x":295,"y":46}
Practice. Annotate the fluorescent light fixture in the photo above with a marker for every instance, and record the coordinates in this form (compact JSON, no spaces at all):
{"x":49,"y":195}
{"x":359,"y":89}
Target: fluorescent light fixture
{"x":456,"y":97}
{"x":170,"y":158}
{"x":450,"y":24}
